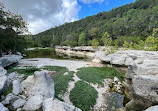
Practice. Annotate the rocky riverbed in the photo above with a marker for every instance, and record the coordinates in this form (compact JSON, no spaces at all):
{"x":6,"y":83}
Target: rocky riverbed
{"x":141,"y":82}
{"x":141,"y":76}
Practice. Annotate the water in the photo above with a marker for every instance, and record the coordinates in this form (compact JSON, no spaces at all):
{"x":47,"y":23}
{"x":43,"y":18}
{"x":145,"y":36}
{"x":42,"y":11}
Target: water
{"x":51,"y":53}
{"x":114,"y":101}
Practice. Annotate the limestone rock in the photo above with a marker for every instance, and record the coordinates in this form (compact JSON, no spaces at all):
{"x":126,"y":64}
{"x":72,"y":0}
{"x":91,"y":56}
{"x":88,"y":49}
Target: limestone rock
{"x":153,"y":108}
{"x":96,"y":60}
{"x":8,"y":60}
{"x":10,"y":98}
{"x":2,"y":108}
{"x":51,"y":104}
{"x":39,"y":84}
{"x":14,"y":76}
{"x":147,"y":68}
{"x":16,"y":87}
{"x":128,"y":61}
{"x":2,"y":71}
{"x":117,"y":61}
{"x":3,"y":83}
{"x":144,"y":92}
{"x":145,"y":86}
{"x":18,"y":103}
{"x":34,"y":103}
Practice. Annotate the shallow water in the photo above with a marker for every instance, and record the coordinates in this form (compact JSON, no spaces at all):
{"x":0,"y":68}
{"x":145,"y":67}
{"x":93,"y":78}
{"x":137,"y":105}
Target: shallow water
{"x":51,"y":53}
{"x":114,"y":101}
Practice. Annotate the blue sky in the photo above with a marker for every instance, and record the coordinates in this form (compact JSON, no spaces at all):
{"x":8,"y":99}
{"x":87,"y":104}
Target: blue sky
{"x":94,"y":8}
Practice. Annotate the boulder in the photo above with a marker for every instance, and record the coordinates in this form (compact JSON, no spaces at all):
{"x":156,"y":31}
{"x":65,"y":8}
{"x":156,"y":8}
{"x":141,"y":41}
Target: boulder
{"x":18,"y":103}
{"x":2,"y":71}
{"x":40,"y":83}
{"x":51,"y":104}
{"x":2,"y":108}
{"x":3,"y":83}
{"x":14,"y":76}
{"x":143,"y":86}
{"x":34,"y":103}
{"x":10,"y":99}
{"x":153,"y":108}
{"x":16,"y":87}
{"x":8,"y":60}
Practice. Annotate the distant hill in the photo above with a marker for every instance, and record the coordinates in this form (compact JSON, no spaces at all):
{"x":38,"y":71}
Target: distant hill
{"x":133,"y":20}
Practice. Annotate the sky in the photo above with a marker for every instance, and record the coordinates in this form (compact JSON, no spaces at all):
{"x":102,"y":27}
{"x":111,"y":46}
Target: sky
{"x":42,"y":15}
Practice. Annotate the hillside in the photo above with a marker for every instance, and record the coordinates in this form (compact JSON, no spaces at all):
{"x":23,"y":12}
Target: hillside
{"x":134,"y":21}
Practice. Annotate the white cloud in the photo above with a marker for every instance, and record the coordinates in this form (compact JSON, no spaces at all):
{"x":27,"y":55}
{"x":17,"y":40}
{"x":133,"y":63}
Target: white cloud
{"x":44,"y":14}
{"x":91,"y":1}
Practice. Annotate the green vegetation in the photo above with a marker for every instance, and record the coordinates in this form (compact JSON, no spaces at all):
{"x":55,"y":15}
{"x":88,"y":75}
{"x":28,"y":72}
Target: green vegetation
{"x":106,"y":39}
{"x":150,"y":44}
{"x":95,"y":43}
{"x":96,"y":75}
{"x":61,"y":81}
{"x":7,"y":91}
{"x":12,"y":26}
{"x":131,"y":23}
{"x":83,"y":96}
{"x":82,"y":39}
{"x":27,"y":71}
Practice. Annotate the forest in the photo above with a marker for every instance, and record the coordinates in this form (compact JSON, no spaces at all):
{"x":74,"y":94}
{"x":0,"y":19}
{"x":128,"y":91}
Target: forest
{"x":131,"y":23}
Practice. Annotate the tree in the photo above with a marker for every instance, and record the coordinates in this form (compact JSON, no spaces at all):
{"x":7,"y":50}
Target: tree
{"x":151,"y":41}
{"x":126,"y":45}
{"x":11,"y":25}
{"x":95,"y":43}
{"x":82,"y":39}
{"x":107,"y":40}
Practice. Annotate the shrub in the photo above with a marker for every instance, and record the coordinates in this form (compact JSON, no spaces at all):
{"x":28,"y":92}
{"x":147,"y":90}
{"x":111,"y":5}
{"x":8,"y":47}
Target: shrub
{"x":83,"y":96}
{"x":96,"y":75}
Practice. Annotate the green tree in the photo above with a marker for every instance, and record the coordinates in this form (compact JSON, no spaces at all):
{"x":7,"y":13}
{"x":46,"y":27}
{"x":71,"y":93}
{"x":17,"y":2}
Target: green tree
{"x":82,"y":39}
{"x":106,"y":39}
{"x":150,"y":42}
{"x":95,"y":43}
{"x":11,"y":26}
{"x":126,"y":45}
